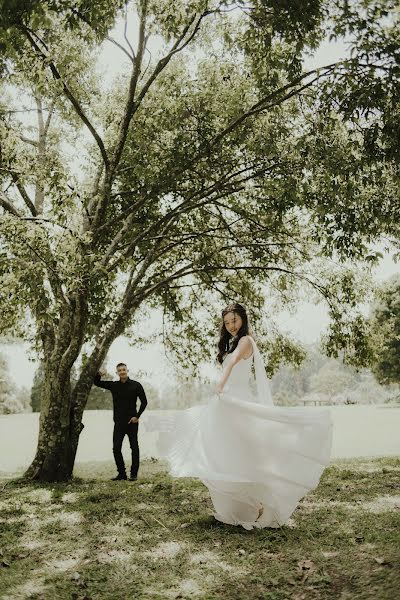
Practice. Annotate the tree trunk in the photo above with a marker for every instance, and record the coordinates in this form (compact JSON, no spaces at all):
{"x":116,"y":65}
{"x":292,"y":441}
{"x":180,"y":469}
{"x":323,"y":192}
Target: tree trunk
{"x":58,"y":432}
{"x":62,"y":410}
{"x":61,"y":419}
{"x":55,"y":455}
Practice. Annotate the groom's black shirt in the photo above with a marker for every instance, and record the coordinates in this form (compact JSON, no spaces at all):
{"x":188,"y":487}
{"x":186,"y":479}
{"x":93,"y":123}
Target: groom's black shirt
{"x":124,"y":397}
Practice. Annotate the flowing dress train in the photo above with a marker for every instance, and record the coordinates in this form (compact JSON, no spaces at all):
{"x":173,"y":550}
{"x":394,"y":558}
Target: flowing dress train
{"x":256,"y":459}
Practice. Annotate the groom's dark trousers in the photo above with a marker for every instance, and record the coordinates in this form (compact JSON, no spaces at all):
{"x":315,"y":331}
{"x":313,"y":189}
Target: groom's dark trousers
{"x":120,"y":431}
{"x":125,"y":396}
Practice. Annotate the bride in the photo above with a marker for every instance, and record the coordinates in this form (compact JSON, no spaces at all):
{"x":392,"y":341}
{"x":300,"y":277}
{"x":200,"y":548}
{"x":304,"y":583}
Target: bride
{"x":256,"y":459}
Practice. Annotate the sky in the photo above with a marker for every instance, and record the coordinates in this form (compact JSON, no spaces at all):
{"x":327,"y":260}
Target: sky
{"x":306,"y":324}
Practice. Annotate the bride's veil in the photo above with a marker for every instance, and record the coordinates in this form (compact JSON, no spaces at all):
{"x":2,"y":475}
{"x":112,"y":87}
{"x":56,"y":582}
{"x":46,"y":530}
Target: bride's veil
{"x":263,"y":384}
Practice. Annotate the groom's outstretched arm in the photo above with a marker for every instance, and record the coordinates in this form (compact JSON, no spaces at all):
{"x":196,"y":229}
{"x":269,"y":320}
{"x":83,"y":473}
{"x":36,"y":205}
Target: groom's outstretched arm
{"x":106,"y":385}
{"x":143,"y":400}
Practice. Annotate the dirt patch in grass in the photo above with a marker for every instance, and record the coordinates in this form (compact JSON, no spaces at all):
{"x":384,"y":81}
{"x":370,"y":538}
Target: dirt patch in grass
{"x":157,"y":539}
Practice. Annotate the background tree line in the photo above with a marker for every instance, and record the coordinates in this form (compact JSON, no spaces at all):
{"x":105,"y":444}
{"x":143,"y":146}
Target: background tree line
{"x":319,"y":378}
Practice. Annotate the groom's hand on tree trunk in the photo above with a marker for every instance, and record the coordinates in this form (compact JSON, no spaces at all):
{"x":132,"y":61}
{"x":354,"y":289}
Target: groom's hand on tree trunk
{"x":133,"y":420}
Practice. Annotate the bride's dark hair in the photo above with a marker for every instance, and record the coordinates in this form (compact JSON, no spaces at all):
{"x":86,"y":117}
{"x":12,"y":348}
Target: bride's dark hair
{"x":225,"y":336}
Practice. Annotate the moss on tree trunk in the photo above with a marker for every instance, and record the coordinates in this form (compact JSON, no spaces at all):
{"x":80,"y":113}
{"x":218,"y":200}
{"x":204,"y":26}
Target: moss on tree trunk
{"x":59,"y":432}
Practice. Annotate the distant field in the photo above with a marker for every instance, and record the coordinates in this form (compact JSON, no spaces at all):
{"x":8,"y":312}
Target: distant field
{"x":358,"y":431}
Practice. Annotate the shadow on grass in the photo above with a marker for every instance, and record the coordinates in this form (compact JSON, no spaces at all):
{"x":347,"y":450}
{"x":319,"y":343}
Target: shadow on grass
{"x":156,"y":539}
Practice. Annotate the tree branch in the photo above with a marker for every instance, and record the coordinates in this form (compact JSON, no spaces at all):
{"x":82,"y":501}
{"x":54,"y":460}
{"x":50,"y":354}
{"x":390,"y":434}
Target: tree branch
{"x":27,"y":140}
{"x":49,"y":116}
{"x":41,"y":155}
{"x":188,"y":270}
{"x":124,"y":50}
{"x":134,"y":280}
{"x":124,"y":127}
{"x":128,"y":221}
{"x":163,"y":62}
{"x":24,"y":195}
{"x":261,"y":104}
{"x":8,"y":206}
{"x":125,"y":34}
{"x":234,"y":187}
{"x":38,"y":220}
{"x":128,"y":301}
{"x":76,"y":335}
{"x":78,"y":109}
{"x":132,"y":105}
{"x":129,"y":106}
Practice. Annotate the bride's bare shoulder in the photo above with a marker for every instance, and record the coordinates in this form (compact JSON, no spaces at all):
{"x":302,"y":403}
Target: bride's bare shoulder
{"x":246,"y":347}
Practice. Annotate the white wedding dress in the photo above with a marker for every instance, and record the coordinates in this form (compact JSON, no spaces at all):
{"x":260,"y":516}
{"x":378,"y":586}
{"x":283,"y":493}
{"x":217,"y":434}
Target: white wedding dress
{"x":256,"y":459}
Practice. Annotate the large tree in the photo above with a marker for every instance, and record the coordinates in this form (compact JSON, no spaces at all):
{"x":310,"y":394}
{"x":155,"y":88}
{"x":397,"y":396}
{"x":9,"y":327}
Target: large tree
{"x":215,"y":167}
{"x":385,"y":326}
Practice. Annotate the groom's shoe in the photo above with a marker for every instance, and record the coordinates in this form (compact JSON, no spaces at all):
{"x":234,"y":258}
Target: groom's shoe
{"x":133,"y":478}
{"x":119,"y":477}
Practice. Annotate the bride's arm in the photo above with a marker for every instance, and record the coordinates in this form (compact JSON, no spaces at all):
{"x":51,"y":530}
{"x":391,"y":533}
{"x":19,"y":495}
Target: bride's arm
{"x":243,"y":350}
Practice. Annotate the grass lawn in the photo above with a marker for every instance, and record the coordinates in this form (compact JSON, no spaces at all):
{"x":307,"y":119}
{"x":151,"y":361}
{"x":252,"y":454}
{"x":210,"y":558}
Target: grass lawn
{"x":93,"y":539}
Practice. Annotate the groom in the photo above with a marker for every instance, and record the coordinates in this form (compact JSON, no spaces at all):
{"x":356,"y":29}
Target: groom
{"x":125,"y":393}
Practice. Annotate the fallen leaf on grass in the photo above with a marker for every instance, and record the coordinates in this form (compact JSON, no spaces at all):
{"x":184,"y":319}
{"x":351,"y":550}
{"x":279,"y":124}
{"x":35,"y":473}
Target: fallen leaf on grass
{"x":270,"y":555}
{"x":380,"y":560}
{"x":329,"y":554}
{"x":4,"y":563}
{"x":306,"y":567}
{"x":241,"y":551}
